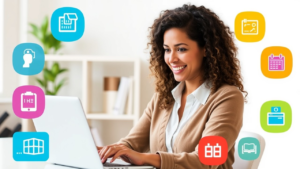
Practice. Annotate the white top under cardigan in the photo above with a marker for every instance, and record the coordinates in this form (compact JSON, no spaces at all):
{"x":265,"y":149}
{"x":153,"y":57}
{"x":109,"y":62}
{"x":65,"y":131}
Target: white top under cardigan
{"x":193,"y":101}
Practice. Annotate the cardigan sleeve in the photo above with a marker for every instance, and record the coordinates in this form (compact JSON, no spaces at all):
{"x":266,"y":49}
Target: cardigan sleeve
{"x":225,"y":120}
{"x":138,"y":137}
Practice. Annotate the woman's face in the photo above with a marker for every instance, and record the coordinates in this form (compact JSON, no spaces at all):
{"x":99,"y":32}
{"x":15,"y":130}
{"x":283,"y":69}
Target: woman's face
{"x":183,"y":55}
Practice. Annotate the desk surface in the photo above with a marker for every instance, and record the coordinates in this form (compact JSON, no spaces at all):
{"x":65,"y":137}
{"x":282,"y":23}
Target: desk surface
{"x":7,"y":161}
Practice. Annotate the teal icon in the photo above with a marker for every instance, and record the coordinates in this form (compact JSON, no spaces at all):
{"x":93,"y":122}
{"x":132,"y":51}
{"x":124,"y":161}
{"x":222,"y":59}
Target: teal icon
{"x":28,"y":59}
{"x":67,"y":24}
{"x":249,"y":148}
{"x":30,"y":146}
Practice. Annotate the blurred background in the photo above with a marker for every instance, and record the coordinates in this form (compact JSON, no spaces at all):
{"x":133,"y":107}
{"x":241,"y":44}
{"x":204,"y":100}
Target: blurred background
{"x":114,"y":46}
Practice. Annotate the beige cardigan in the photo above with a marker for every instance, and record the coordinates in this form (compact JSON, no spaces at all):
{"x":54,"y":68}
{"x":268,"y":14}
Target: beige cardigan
{"x":221,"y":115}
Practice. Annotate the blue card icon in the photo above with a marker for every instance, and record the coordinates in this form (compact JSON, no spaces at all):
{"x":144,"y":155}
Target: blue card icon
{"x":276,"y":117}
{"x":67,"y":24}
{"x":31,"y":146}
{"x":28,"y":59}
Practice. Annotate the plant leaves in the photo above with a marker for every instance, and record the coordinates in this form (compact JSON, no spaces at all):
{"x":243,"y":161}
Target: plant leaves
{"x":60,"y":84}
{"x":44,"y":26}
{"x":56,"y":44}
{"x":40,"y":82}
{"x":48,"y":75}
{"x":34,"y":31}
{"x":55,"y":69}
{"x":45,"y":36}
{"x":49,"y":93}
{"x":62,"y":70}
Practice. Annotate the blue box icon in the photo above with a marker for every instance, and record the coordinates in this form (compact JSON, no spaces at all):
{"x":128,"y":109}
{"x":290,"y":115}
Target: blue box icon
{"x":275,"y":109}
{"x":276,"y":117}
{"x":31,"y":146}
{"x":67,"y":24}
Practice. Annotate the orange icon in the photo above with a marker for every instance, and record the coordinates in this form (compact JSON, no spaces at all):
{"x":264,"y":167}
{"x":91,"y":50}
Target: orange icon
{"x":249,"y":26}
{"x":276,"y":62}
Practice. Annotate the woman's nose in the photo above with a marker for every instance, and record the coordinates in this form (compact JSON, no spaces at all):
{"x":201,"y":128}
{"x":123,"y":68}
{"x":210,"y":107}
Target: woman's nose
{"x":173,"y":57}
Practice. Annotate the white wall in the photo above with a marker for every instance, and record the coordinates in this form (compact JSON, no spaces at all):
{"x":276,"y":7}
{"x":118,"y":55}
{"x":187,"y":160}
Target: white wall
{"x":10,"y":40}
{"x":119,"y":28}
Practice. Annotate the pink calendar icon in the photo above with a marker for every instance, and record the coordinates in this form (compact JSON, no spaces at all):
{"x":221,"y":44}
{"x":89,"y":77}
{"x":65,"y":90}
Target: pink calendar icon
{"x":276,"y":63}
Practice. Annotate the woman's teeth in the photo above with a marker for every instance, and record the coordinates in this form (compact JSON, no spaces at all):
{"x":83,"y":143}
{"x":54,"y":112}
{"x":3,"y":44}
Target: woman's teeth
{"x":179,"y":68}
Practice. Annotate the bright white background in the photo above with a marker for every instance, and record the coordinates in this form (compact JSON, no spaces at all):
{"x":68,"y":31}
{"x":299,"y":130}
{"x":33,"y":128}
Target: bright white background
{"x":119,"y":27}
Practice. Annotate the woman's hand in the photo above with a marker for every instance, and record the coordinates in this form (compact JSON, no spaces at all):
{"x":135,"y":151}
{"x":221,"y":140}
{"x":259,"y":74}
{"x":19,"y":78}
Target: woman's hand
{"x":110,"y":150}
{"x":128,"y":155}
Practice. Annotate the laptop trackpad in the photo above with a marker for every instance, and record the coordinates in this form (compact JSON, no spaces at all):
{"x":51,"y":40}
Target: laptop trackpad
{"x":117,"y":162}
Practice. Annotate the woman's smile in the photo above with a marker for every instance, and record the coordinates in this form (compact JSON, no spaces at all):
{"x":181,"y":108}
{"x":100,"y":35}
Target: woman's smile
{"x":178,"y":69}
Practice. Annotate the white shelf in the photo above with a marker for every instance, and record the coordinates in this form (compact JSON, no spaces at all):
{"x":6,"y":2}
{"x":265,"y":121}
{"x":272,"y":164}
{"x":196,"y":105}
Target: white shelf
{"x":86,"y":80}
{"x":89,"y":58}
{"x":6,"y":100}
{"x":102,"y":116}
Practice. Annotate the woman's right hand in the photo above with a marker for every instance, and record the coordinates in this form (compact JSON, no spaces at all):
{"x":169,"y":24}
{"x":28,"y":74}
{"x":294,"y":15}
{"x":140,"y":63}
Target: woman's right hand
{"x":110,"y":150}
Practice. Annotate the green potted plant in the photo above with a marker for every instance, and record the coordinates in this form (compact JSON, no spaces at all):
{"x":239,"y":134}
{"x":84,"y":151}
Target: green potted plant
{"x":50,"y":44}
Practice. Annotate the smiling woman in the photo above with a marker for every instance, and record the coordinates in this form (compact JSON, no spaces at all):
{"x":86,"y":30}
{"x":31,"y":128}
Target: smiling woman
{"x":199,"y":93}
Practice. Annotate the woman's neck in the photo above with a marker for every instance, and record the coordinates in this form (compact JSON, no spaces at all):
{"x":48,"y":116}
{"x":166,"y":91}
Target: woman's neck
{"x":192,"y":85}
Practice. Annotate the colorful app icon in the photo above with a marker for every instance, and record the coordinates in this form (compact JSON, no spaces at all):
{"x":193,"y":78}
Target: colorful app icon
{"x":28,"y":59}
{"x":213,"y":150}
{"x":276,"y":116}
{"x":276,"y":62}
{"x":28,"y":102}
{"x":249,"y":26}
{"x":31,"y":146}
{"x":67,"y":24}
{"x":249,"y":148}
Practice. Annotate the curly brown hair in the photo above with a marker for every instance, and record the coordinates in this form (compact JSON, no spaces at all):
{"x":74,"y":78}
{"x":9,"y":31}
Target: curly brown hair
{"x":221,"y":65}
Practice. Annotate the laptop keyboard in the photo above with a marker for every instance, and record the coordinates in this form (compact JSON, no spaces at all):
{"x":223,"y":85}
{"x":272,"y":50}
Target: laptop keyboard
{"x":112,"y":164}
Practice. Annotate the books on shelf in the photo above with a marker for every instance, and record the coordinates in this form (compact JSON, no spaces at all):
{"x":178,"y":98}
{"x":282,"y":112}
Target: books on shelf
{"x":130,"y":97}
{"x":124,"y":93}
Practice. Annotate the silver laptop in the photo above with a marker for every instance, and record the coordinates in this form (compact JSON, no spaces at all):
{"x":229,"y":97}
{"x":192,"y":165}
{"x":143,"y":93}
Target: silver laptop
{"x":70,"y":140}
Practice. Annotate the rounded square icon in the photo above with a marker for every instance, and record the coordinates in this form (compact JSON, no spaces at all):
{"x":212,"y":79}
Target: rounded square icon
{"x":212,"y":150}
{"x":276,"y":62}
{"x":30,"y":146}
{"x":249,"y":26}
{"x":67,"y":24}
{"x":249,"y":148}
{"x":28,"y":102}
{"x":276,"y":116}
{"x":28,"y":59}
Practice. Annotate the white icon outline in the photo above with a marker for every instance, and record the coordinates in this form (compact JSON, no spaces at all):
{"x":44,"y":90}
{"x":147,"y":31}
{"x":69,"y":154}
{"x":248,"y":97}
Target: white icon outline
{"x":245,"y":150}
{"x":26,"y":109}
{"x":28,"y":57}
{"x":26,"y":148}
{"x":68,"y":22}
{"x":212,"y":152}
{"x":253,"y":23}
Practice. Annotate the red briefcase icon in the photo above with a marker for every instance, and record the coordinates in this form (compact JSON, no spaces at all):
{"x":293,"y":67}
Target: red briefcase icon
{"x":212,"y":150}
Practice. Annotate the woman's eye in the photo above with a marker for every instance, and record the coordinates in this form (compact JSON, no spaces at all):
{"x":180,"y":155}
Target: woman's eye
{"x":179,"y":49}
{"x":182,"y":49}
